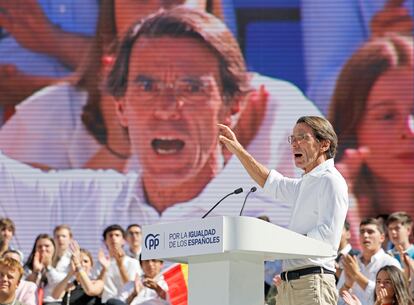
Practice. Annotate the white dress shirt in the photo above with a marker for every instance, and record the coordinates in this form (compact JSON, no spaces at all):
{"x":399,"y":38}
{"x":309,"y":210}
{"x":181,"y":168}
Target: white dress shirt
{"x":378,"y":260}
{"x":319,"y":202}
{"x":146,"y":295}
{"x":113,"y":284}
{"x":55,"y":275}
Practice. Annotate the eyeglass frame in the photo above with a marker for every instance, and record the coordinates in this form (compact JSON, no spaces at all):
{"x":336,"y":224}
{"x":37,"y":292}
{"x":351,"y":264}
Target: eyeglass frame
{"x":299,"y":138}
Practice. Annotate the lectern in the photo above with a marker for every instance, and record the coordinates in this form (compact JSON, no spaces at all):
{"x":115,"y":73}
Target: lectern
{"x":225,"y":255}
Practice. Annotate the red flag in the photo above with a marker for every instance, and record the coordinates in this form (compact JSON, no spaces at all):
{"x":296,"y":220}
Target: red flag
{"x":177,"y":277}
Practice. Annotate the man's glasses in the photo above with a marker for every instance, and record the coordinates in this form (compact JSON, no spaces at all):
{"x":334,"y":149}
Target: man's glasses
{"x":298,"y":138}
{"x":190,"y":89}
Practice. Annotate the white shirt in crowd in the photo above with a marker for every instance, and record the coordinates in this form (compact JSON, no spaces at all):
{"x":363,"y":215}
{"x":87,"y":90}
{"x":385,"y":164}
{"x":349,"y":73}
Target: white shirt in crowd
{"x":55,"y":275}
{"x":378,"y":260}
{"x":146,"y":295}
{"x":319,"y":202}
{"x":113,"y":284}
{"x":26,"y":293}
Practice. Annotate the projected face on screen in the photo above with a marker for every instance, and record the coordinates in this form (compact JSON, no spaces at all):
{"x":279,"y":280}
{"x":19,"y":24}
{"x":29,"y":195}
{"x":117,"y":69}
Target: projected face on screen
{"x":171,"y":109}
{"x":387,"y":127}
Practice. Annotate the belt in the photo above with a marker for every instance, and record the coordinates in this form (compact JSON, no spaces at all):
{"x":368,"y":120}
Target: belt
{"x":296,"y":274}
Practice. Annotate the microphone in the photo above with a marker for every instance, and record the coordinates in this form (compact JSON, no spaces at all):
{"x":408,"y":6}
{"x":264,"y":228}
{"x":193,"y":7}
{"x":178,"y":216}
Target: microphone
{"x":252,"y":190}
{"x":237,"y":191}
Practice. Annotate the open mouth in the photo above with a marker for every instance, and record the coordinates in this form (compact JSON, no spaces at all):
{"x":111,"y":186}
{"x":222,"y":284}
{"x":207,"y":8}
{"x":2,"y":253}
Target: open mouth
{"x":298,"y":155}
{"x":167,"y":146}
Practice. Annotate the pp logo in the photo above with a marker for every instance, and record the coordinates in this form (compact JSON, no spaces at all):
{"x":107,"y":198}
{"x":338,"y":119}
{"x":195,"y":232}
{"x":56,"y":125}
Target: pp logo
{"x":152,"y":241}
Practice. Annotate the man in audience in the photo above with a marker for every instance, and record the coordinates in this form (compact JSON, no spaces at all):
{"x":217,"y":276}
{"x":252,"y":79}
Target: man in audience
{"x":26,"y":292}
{"x":345,"y":248}
{"x":172,"y":128}
{"x":134,"y":240}
{"x":11,"y":272}
{"x":63,"y":236}
{"x":399,"y":226}
{"x":359,"y":273}
{"x":121,"y":268}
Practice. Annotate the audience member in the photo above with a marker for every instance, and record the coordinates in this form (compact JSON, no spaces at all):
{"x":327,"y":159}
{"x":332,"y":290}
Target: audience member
{"x":77,"y":288}
{"x":11,"y":272}
{"x":333,"y":30}
{"x":182,"y":164}
{"x":41,"y":41}
{"x":345,"y":248}
{"x":121,"y":268}
{"x":399,"y":226}
{"x":40,"y":257}
{"x":151,"y":289}
{"x":372,"y":113}
{"x":408,"y":264}
{"x":134,"y":240}
{"x":26,"y":292}
{"x":63,"y":236}
{"x":390,"y":288}
{"x":359,"y":271}
{"x":40,"y":270}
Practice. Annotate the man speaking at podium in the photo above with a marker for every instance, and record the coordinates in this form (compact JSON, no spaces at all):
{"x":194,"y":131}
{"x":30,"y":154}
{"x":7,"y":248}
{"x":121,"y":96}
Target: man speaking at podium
{"x":319,"y":203}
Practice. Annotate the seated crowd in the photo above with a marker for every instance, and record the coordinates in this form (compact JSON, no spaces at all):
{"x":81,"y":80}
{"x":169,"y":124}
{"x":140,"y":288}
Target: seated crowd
{"x":59,"y":271}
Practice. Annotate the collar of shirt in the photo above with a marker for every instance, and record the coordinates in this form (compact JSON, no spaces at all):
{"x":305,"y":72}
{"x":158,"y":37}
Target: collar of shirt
{"x":131,"y":254}
{"x":319,"y":170}
{"x":376,"y":257}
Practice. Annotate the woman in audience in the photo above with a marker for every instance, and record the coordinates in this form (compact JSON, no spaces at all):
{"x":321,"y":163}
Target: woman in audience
{"x":83,"y":290}
{"x":73,"y":124}
{"x":40,"y":270}
{"x":372,"y":113}
{"x":391,"y":288}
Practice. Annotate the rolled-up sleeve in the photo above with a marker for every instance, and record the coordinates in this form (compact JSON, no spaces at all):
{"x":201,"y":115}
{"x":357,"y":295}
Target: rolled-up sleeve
{"x":281,"y":188}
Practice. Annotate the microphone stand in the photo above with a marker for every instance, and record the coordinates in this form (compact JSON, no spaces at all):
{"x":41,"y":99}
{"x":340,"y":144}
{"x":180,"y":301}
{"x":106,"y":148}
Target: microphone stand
{"x":238,"y":191}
